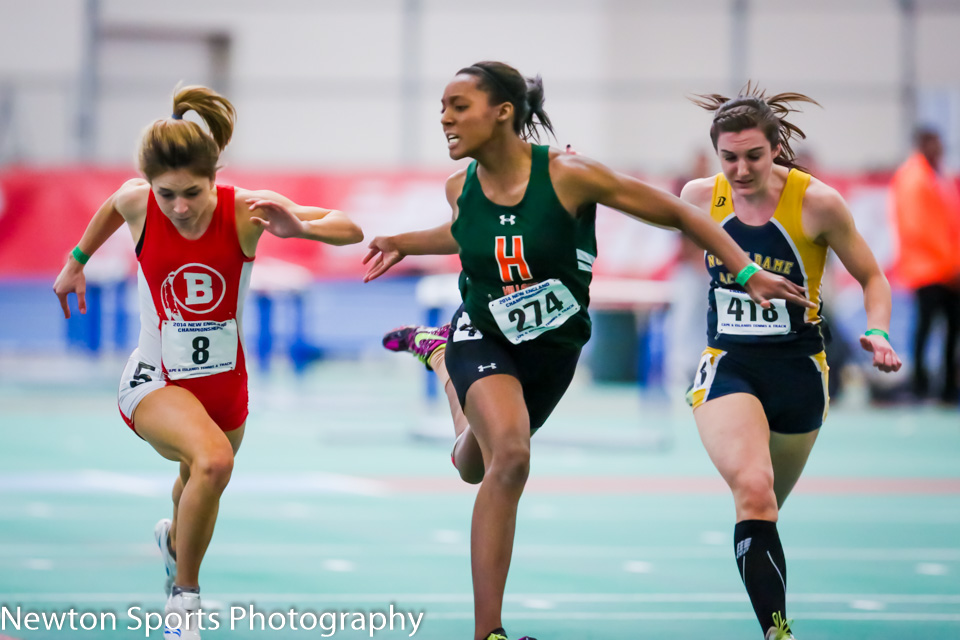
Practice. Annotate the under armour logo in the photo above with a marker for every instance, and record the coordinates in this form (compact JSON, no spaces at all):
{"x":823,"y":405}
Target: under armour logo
{"x":506,"y":219}
{"x":722,"y":200}
{"x":492,"y":365}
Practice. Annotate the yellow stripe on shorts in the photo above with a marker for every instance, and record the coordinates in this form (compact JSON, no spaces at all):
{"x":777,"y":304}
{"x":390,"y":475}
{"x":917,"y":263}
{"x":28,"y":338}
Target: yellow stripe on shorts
{"x":706,"y":371}
{"x":820,"y":361}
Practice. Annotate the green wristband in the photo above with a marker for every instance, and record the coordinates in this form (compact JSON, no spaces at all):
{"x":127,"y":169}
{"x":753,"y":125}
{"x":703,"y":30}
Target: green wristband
{"x":877,"y":332}
{"x":746,"y":272}
{"x":79,"y":255}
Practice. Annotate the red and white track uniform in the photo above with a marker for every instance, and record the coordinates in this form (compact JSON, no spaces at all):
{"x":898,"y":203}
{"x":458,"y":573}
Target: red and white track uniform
{"x":191,"y":306}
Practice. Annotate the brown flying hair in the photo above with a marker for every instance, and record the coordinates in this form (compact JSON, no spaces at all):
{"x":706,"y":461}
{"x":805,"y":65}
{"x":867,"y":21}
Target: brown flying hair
{"x":175,"y":143}
{"x":753,"y":109}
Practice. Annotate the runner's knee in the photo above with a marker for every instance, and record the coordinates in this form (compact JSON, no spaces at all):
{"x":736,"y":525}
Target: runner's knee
{"x":753,"y":491}
{"x":511,"y":464}
{"x":214,"y":465}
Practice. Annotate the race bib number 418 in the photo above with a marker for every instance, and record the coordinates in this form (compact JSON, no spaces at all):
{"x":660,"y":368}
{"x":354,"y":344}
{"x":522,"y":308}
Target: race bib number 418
{"x":527,"y":313}
{"x":738,"y":314}
{"x":191,"y":349}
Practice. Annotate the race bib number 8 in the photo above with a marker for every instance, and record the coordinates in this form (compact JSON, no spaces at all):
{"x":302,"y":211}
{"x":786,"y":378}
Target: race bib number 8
{"x":192,"y":349}
{"x":739,"y":315}
{"x":527,"y":313}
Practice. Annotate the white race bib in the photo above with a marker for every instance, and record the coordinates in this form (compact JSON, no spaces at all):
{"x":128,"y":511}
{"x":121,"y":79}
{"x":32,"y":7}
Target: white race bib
{"x":196,"y":348}
{"x":739,"y":315}
{"x":525,"y":314}
{"x":464,"y":329}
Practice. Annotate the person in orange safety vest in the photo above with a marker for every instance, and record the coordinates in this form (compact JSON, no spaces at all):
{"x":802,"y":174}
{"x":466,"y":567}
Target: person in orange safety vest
{"x":926,"y":210}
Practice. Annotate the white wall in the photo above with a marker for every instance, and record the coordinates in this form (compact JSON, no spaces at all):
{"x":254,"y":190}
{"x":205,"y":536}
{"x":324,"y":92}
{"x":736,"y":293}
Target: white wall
{"x":318,"y":84}
{"x":39,"y":67}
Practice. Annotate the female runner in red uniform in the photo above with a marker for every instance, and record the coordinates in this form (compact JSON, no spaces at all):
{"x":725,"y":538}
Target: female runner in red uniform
{"x":184,"y":389}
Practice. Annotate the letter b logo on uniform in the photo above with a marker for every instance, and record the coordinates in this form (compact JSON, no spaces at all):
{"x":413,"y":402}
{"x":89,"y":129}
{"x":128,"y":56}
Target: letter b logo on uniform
{"x":199,"y":288}
{"x":194,"y":287}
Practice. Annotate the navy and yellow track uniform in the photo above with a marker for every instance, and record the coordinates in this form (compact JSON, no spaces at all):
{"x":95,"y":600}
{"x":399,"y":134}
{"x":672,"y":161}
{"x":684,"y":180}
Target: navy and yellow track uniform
{"x":774,"y":354}
{"x":525,"y":289}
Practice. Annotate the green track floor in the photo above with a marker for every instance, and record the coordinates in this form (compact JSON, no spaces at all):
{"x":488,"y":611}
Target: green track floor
{"x":343,"y":499}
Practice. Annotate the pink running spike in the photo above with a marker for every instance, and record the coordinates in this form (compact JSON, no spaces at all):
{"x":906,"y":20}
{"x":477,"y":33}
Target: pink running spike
{"x":420,"y":341}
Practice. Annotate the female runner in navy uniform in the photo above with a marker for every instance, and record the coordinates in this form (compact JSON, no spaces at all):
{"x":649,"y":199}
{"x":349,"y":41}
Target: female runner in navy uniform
{"x":760,"y":391}
{"x":523,"y":224}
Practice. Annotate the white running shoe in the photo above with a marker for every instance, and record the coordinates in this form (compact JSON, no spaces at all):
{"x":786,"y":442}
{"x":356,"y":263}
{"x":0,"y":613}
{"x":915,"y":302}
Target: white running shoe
{"x":161,"y":533}
{"x":186,"y":606}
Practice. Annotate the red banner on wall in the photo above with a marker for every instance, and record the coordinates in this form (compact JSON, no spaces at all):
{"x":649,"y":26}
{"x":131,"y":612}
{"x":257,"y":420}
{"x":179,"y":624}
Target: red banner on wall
{"x":43,"y":213}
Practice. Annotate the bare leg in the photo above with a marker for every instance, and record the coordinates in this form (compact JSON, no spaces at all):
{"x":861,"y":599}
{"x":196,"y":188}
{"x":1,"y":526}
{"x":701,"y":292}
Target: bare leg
{"x":174,"y":422}
{"x":761,"y":469}
{"x":736,"y":436}
{"x":178,"y":485}
{"x":236,"y":438}
{"x":789,"y":453}
{"x":498,"y":416}
{"x":467,"y":456}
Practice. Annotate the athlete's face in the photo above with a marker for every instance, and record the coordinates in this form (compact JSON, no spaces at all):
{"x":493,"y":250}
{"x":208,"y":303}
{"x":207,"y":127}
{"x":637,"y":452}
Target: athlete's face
{"x":468,"y":118}
{"x":746,"y":159}
{"x":184,"y":196}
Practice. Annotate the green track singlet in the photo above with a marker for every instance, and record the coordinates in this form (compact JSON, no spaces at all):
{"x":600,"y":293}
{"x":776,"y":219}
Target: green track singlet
{"x":526,"y":268}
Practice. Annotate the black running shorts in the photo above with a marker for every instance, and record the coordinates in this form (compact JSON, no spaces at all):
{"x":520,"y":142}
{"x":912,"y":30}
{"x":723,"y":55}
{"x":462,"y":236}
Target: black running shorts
{"x":544,"y":372}
{"x":792,"y":389}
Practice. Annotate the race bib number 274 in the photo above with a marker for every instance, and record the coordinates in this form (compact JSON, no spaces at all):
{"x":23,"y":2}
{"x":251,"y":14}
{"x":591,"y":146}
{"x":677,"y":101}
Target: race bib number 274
{"x":527,"y":313}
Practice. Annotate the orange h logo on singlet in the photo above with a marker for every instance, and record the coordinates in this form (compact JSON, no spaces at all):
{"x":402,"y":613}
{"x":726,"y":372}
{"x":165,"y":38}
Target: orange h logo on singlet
{"x":513,"y":261}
